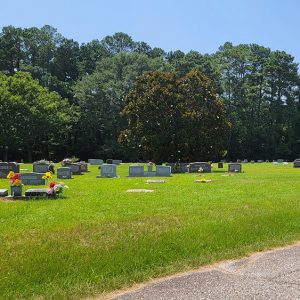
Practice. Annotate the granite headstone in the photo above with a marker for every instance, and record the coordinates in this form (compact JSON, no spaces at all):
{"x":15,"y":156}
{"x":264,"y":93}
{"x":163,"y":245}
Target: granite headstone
{"x":64,"y":173}
{"x":33,"y":178}
{"x":235,"y":167}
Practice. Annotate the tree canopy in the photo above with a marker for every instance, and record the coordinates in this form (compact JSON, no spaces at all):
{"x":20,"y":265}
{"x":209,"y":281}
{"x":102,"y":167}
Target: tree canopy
{"x":259,"y":86}
{"x":171,"y":118}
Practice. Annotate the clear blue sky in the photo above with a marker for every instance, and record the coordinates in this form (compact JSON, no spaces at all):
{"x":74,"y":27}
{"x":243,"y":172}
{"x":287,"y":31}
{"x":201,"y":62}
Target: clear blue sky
{"x":201,"y":25}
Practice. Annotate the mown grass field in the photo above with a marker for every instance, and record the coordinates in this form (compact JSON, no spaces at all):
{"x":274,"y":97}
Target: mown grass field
{"x":100,"y":238}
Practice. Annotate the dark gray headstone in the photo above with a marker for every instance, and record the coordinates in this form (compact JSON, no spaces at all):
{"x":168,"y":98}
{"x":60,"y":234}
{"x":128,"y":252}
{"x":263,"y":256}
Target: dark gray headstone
{"x":75,"y":168}
{"x":108,"y":170}
{"x":6,"y":167}
{"x":95,"y":161}
{"x":116,"y":161}
{"x":36,"y":193}
{"x":234,"y":167}
{"x":16,"y":191}
{"x":297,"y":163}
{"x":195,"y":167}
{"x":178,"y":167}
{"x":40,"y":168}
{"x":64,"y":173}
{"x":33,"y":178}
{"x":83,"y":166}
{"x":220,"y":165}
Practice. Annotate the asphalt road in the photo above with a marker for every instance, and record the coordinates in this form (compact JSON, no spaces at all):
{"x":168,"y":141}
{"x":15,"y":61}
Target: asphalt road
{"x":266,"y":275}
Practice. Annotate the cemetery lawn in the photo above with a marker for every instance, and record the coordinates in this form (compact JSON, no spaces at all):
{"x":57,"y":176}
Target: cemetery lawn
{"x":100,"y":238}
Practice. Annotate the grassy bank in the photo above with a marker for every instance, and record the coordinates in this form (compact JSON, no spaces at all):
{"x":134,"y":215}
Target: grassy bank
{"x":100,"y":238}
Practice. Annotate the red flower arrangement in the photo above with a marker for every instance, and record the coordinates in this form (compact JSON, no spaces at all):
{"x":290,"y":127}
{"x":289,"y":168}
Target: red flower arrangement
{"x":15,"y":178}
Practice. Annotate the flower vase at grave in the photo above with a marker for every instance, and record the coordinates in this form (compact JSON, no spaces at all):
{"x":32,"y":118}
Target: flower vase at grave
{"x":16,"y":191}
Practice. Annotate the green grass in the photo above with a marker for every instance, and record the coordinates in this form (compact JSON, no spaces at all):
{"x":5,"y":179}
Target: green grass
{"x":100,"y":238}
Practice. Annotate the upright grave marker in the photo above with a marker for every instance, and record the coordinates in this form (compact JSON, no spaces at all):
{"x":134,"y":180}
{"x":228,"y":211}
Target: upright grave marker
{"x":33,"y":178}
{"x":6,"y":167}
{"x":64,"y":173}
{"x":297,"y":163}
{"x":235,"y":167}
{"x":195,"y":167}
{"x":108,"y":171}
{"x":40,"y":167}
{"x":95,"y":161}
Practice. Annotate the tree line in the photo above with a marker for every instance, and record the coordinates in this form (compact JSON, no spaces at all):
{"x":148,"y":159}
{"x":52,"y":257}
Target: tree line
{"x":60,"y":98}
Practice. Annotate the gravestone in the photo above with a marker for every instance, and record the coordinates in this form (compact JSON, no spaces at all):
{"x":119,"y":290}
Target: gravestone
{"x":116,"y":161}
{"x":220,"y":165}
{"x":234,"y":167}
{"x":245,"y":161}
{"x":136,"y":171}
{"x":75,"y":168}
{"x":275,"y":163}
{"x":40,"y":168}
{"x":6,"y":167}
{"x":33,"y":178}
{"x":297,"y":163}
{"x":83,"y":166}
{"x":64,"y":173}
{"x":252,"y":161}
{"x":195,"y":166}
{"x":34,"y":193}
{"x":238,"y":160}
{"x":3,"y":192}
{"x":164,"y":171}
{"x":280,"y":160}
{"x":108,"y":170}
{"x":95,"y":161}
{"x":178,"y":167}
{"x":155,"y":181}
{"x":260,"y":161}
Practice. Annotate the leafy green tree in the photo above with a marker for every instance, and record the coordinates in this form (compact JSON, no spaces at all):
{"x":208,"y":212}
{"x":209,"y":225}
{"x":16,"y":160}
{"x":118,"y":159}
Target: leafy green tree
{"x":171,"y":118}
{"x":90,"y":54}
{"x":119,"y":42}
{"x":35,"y":118}
{"x":11,"y":49}
{"x":100,"y":97}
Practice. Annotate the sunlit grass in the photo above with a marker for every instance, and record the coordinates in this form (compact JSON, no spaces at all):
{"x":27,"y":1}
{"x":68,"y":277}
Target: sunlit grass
{"x":99,"y":238}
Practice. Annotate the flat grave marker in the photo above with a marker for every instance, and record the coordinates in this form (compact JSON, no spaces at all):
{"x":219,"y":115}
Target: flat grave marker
{"x":139,"y":191}
{"x":155,"y":181}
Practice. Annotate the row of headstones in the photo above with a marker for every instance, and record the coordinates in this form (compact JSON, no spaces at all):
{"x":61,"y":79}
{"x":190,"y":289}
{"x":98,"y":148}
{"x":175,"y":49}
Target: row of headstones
{"x":110,"y":170}
{"x":204,"y":167}
{"x":99,"y":162}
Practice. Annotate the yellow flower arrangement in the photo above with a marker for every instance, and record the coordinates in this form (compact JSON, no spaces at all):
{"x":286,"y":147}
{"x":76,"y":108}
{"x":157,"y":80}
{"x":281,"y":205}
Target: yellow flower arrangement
{"x":10,"y":175}
{"x":47,"y":175}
